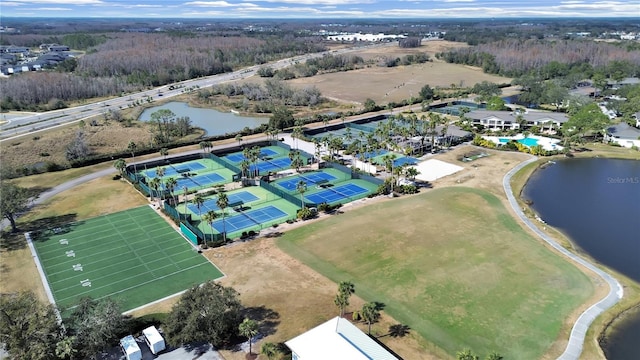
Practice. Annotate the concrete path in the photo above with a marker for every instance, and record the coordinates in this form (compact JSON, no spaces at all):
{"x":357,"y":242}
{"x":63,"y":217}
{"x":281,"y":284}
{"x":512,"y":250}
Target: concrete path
{"x":579,"y":330}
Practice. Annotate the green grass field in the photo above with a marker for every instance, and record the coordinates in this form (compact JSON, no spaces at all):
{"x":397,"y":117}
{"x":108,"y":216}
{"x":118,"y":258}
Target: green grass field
{"x":454,"y":266}
{"x":133,"y":256}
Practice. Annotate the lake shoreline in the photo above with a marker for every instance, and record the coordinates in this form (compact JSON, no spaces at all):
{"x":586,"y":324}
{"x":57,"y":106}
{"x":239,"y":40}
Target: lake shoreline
{"x":627,"y":308}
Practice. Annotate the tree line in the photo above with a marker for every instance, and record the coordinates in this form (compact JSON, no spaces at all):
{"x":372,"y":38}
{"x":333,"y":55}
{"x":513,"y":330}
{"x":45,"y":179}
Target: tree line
{"x":209,"y":313}
{"x":128,"y":62}
{"x":516,"y":57}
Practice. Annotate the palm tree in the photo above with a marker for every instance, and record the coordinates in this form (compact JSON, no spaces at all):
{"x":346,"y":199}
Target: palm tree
{"x":198,"y":199}
{"x":223,"y":202}
{"x":185,"y":191}
{"x":120,"y":164}
{"x":132,"y":149}
{"x":154,"y":184}
{"x":370,"y":313}
{"x":269,"y":349}
{"x":345,"y":290}
{"x":411,"y":172}
{"x":160,"y":174}
{"x":301,"y":187}
{"x":171,"y":184}
{"x":164,"y":152}
{"x":388,"y":163}
{"x":239,"y":139}
{"x":248,"y":328}
{"x":204,"y":145}
{"x":244,"y":166}
{"x":254,"y":155}
{"x":210,"y":216}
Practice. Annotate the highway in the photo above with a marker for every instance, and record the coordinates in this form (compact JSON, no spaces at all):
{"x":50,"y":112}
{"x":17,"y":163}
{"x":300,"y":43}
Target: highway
{"x":30,"y":124}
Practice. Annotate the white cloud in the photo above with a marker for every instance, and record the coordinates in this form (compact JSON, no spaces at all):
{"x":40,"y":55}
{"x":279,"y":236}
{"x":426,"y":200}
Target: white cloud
{"x":209,"y":4}
{"x":59,"y":2}
{"x":51,"y":9}
{"x":320,"y":2}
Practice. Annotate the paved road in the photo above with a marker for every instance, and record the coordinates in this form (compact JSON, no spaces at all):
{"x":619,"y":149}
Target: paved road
{"x":33,"y":123}
{"x":579,"y":330}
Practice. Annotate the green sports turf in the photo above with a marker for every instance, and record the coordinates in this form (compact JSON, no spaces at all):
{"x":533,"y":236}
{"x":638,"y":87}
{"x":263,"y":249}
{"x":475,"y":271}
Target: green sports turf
{"x":132,"y":256}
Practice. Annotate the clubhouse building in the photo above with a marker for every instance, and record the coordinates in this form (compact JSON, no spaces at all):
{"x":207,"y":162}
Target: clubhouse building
{"x":337,"y":338}
{"x":509,"y":120}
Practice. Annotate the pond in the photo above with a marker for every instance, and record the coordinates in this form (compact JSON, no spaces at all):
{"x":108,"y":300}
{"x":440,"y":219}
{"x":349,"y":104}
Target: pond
{"x":212,"y":121}
{"x":596,"y":203}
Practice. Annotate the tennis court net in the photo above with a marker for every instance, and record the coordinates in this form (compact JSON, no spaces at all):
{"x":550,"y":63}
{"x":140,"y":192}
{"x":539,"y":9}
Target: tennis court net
{"x":339,"y":193}
{"x":248,"y":217}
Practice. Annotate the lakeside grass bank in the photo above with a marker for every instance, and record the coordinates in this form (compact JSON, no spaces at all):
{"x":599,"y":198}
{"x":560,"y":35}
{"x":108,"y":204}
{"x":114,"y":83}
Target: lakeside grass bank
{"x":606,"y":323}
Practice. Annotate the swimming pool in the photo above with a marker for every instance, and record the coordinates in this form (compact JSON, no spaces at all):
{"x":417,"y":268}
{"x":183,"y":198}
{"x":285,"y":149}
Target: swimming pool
{"x":530,"y":142}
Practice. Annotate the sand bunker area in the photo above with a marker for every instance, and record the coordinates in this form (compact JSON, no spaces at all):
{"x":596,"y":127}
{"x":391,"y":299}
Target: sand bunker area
{"x":433,"y":169}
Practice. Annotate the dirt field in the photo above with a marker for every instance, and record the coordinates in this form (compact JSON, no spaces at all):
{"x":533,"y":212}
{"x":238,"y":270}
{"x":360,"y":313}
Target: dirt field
{"x":383,"y":84}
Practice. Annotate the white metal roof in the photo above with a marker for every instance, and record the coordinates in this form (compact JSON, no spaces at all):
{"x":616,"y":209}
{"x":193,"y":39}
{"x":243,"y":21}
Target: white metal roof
{"x":152,"y":334}
{"x":337,"y":339}
{"x":129,"y":345}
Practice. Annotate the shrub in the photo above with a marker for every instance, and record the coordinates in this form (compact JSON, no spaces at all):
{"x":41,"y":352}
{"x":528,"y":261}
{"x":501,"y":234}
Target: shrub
{"x":305,"y":213}
{"x":117,"y":177}
{"x":408,"y":189}
{"x":356,"y":316}
{"x":251,"y":233}
{"x":44,"y":154}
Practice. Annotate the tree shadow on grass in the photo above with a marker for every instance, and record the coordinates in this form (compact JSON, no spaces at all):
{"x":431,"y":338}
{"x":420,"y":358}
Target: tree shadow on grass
{"x":40,"y":229}
{"x":397,"y":331}
{"x":268,"y":319}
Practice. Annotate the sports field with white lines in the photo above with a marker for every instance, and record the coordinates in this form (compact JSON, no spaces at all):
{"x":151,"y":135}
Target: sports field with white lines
{"x":133,"y":256}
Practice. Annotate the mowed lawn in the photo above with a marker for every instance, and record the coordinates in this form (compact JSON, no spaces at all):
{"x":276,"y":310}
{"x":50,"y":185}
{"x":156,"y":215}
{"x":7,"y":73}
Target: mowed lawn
{"x":454,"y":266}
{"x":132,"y":256}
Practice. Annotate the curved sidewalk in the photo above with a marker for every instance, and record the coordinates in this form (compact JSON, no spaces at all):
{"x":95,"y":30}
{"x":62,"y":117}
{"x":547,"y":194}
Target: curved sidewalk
{"x":579,"y":330}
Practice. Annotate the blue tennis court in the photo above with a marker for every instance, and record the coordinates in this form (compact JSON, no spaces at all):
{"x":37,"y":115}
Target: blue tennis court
{"x":248,"y":219}
{"x":177,"y":169}
{"x":196,"y":181}
{"x":405,"y":160}
{"x":269,"y":165}
{"x":333,"y":194}
{"x":235,"y":199}
{"x":238,"y":157}
{"x":372,"y":154}
{"x":291,"y":183}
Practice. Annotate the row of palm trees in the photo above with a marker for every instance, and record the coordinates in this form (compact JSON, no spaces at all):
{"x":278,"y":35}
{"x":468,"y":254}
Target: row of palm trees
{"x":392,"y":134}
{"x":170,"y":184}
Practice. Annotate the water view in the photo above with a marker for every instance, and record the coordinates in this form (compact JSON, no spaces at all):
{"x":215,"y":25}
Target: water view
{"x":596,"y":203}
{"x":212,"y":121}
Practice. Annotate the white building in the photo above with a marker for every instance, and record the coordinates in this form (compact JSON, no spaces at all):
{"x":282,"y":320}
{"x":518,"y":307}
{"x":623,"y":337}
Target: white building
{"x":364,"y":37}
{"x":337,"y":339}
{"x":508,"y":120}
{"x":624,"y":135}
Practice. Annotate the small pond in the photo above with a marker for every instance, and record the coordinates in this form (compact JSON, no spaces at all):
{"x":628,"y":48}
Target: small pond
{"x":212,"y":121}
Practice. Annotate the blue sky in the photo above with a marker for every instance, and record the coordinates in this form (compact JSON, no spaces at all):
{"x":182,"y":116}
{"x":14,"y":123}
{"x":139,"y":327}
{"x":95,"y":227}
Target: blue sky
{"x":319,"y":8}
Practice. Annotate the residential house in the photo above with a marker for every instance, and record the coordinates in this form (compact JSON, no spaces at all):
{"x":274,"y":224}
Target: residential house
{"x":337,"y":338}
{"x":58,"y":48}
{"x":613,"y":84}
{"x":623,"y":134}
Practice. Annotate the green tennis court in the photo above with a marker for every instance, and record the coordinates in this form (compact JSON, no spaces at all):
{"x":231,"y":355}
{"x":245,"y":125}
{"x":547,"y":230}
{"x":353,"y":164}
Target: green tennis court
{"x":133,"y":256}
